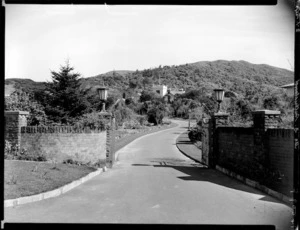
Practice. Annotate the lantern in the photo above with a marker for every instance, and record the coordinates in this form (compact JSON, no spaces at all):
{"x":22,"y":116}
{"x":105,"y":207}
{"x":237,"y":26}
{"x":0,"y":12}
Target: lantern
{"x":219,"y":94}
{"x":102,"y":92}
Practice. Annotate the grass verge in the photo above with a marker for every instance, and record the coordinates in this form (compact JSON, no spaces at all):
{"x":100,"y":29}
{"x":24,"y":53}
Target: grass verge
{"x":24,"y":178}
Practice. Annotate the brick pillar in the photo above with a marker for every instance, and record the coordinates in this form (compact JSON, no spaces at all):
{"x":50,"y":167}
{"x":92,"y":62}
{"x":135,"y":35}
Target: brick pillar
{"x":113,"y":138}
{"x":110,"y":142}
{"x":263,"y":120}
{"x":218,"y":120}
{"x":14,"y":120}
{"x":108,"y":147}
{"x":206,"y":139}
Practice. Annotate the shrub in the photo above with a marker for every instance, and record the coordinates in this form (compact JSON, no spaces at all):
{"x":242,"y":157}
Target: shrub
{"x":132,"y":124}
{"x":71,"y":161}
{"x":93,"y":120}
{"x":195,"y":134}
{"x":141,"y":119}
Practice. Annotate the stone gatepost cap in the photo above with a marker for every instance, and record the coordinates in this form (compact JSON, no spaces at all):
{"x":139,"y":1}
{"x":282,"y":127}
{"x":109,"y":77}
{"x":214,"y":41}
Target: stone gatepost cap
{"x":267,"y":112}
{"x":16,"y":112}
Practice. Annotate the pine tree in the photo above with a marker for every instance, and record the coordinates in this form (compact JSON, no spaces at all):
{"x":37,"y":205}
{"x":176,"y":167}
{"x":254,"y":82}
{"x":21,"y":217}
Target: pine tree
{"x":65,"y":99}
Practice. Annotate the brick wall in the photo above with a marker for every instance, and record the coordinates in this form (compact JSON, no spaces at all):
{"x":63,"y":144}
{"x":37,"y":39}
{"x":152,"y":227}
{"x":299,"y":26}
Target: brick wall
{"x":60,"y":143}
{"x":280,"y":145}
{"x":237,"y":151}
{"x":235,"y":148}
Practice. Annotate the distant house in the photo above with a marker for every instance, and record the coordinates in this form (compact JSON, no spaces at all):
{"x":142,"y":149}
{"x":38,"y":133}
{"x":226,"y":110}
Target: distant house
{"x":160,"y":89}
{"x":289,"y":88}
{"x":169,"y":97}
{"x":164,"y":92}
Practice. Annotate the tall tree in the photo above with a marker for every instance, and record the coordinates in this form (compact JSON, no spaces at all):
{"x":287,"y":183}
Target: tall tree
{"x":66,"y":100}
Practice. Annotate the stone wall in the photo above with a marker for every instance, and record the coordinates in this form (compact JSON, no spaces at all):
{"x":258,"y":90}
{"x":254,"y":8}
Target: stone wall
{"x":235,"y":147}
{"x":60,"y":143}
{"x":262,"y":153}
{"x":280,"y":144}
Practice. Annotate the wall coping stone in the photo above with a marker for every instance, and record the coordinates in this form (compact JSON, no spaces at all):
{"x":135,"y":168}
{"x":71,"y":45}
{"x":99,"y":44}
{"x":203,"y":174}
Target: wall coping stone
{"x":60,"y":129}
{"x":16,"y":112}
{"x":267,"y":112}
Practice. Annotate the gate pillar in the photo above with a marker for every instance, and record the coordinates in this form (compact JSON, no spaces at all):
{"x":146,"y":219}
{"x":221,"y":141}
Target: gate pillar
{"x":218,"y":120}
{"x":206,"y":139}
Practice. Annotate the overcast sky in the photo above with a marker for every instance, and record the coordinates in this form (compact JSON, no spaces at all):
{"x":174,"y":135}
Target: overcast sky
{"x":98,"y":39}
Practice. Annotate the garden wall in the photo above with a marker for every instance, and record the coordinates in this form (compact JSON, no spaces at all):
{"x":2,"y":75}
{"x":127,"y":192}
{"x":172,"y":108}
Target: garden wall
{"x":61,"y":143}
{"x":235,"y":148}
{"x":237,"y":151}
{"x":280,"y":144}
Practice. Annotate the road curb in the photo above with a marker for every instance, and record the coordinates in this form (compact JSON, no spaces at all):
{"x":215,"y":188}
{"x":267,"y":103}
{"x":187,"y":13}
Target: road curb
{"x":52,"y":193}
{"x":254,"y":184}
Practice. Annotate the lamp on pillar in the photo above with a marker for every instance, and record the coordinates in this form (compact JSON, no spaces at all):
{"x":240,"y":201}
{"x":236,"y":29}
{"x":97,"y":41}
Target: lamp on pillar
{"x":219,"y":94}
{"x":102,"y":92}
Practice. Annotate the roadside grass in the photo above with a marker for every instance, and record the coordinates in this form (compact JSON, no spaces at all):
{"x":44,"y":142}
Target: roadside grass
{"x":25,"y":178}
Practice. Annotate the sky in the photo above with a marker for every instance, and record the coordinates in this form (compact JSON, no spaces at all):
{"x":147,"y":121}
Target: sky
{"x":100,"y":38}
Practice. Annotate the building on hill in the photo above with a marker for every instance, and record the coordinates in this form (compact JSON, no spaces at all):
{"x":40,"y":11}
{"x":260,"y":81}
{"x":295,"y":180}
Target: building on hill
{"x":160,"y":89}
{"x":169,"y":97}
{"x":289,"y":88}
{"x":163,"y":90}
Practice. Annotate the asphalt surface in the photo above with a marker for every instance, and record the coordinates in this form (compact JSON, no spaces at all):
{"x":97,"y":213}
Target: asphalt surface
{"x":154,"y":183}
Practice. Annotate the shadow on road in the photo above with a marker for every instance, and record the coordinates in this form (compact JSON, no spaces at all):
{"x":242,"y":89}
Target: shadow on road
{"x":198,"y":172}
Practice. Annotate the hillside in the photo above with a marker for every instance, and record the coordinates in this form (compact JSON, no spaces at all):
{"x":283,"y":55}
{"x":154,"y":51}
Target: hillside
{"x":28,"y":85}
{"x":261,"y":73}
{"x":236,"y":76}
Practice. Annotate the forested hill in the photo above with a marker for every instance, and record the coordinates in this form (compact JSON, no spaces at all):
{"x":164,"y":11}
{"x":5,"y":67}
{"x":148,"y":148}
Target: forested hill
{"x":236,"y":76}
{"x":28,"y":85}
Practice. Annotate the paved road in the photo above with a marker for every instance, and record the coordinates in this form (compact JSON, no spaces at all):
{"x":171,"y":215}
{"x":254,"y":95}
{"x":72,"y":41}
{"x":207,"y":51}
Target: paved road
{"x":154,"y":183}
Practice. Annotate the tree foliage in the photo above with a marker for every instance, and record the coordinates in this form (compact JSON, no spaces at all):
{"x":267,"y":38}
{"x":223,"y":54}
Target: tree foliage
{"x":22,"y":101}
{"x":65,"y":101}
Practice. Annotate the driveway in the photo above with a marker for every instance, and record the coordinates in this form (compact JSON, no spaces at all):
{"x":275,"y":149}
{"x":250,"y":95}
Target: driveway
{"x":153,"y":182}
